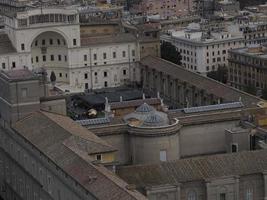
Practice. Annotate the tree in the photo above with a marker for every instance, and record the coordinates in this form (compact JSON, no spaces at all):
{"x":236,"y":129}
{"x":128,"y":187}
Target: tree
{"x":251,"y":89}
{"x":264,"y":93}
{"x":219,"y":75}
{"x":53,"y":79}
{"x":170,"y":53}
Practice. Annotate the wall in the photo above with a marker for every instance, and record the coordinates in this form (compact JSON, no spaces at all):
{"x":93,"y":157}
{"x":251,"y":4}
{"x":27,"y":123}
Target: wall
{"x":204,"y":138}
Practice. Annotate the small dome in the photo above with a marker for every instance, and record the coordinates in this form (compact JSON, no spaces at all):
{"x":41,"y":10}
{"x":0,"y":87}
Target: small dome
{"x":154,"y":120}
{"x":145,"y":108}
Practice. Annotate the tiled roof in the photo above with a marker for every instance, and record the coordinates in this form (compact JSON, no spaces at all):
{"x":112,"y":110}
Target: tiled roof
{"x":64,"y":142}
{"x":6,"y":46}
{"x":218,"y":89}
{"x":18,"y":74}
{"x":195,"y":169}
{"x":118,"y":38}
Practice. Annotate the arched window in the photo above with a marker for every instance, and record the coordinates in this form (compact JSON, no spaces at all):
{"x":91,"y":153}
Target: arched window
{"x":192,"y":195}
{"x":249,"y":194}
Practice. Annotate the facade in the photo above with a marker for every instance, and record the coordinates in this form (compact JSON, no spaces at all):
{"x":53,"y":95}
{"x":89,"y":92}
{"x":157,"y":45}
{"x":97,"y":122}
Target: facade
{"x":165,"y":9}
{"x":204,"y":51}
{"x":55,"y":42}
{"x":247,"y":68}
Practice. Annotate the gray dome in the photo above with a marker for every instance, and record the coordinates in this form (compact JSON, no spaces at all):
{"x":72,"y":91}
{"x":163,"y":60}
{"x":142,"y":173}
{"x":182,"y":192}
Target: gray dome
{"x":145,"y":108}
{"x":154,"y":120}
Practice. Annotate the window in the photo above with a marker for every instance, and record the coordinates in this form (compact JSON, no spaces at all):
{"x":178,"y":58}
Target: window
{"x":58,"y":41}
{"x":114,"y":55}
{"x":52,"y":58}
{"x":13,"y":64}
{"x":86,"y":76}
{"x":234,"y":148}
{"x":3,"y":65}
{"x":85,"y":57}
{"x":24,"y":92}
{"x":133,"y":52}
{"x":59,"y":57}
{"x":22,"y":47}
{"x":95,"y":56}
{"x":192,"y":195}
{"x":44,"y":58}
{"x":74,"y":42}
{"x":66,"y":58}
{"x":105,"y":74}
{"x":86,"y":86}
{"x":124,"y":72}
{"x":123,"y":54}
{"x":106,"y":84}
{"x":222,"y":196}
{"x":51,"y":41}
{"x":249,"y":194}
{"x":104,"y":55}
{"x":98,"y":157}
{"x":60,"y":74}
{"x":36,"y":43}
{"x":43,"y":42}
{"x":163,"y":155}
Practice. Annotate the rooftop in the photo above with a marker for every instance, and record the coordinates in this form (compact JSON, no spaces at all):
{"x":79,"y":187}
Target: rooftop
{"x":66,"y":143}
{"x":6,"y":46}
{"x":195,"y":169}
{"x":18,"y":75}
{"x":229,"y":94}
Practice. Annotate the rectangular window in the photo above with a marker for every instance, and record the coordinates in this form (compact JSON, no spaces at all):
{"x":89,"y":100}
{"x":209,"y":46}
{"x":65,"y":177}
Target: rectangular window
{"x":22,"y":47}
{"x":86,"y":86}
{"x":66,"y":58}
{"x":123,"y":54}
{"x":13,"y":64}
{"x":36,"y":43}
{"x":95,"y":56}
{"x":234,"y":148}
{"x":59,"y":57}
{"x":163,"y":155}
{"x":51,"y":41}
{"x":114,"y":55}
{"x":85,"y":57}
{"x":98,"y":157}
{"x":105,"y":74}
{"x":133,"y":52}
{"x":58,"y":41}
{"x":44,"y":58}
{"x":74,"y":42}
{"x":86,"y":76}
{"x":37,"y":59}
{"x":60,"y":74}
{"x":124,"y":72}
{"x":104,"y":56}
{"x":24,"y":92}
{"x":52,"y":58}
{"x":222,"y":196}
{"x":43,"y":42}
{"x":3,"y":65}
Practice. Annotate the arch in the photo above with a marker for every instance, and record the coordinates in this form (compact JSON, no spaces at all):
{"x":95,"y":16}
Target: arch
{"x":54,"y":30}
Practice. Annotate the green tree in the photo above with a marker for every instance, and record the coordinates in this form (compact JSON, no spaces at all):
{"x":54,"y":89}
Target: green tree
{"x":219,"y":75}
{"x":264,"y":93}
{"x":251,"y":89}
{"x":170,"y":53}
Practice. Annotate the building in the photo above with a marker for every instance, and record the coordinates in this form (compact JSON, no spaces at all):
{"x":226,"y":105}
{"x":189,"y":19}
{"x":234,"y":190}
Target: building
{"x":52,"y":38}
{"x":44,"y":155}
{"x":247,"y":68}
{"x":204,"y":51}
{"x":164,"y":9}
{"x":229,"y":176}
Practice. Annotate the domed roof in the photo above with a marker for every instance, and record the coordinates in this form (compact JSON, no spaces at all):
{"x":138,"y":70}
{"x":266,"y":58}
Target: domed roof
{"x":145,"y":108}
{"x":154,"y":119}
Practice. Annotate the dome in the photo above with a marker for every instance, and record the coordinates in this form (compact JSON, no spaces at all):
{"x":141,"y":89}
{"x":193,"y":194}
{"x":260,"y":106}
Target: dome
{"x":154,"y":120}
{"x":145,"y":108}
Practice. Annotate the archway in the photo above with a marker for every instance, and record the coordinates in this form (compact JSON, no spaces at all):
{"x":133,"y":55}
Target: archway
{"x":49,"y":51}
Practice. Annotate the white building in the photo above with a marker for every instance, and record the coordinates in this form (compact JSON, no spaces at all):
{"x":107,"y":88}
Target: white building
{"x":50,"y":38}
{"x":204,"y":51}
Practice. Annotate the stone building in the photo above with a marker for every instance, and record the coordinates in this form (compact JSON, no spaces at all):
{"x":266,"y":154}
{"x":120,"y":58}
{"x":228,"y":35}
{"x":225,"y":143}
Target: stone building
{"x":204,"y":51}
{"x":247,"y":68}
{"x":44,"y":155}
{"x":230,"y":176}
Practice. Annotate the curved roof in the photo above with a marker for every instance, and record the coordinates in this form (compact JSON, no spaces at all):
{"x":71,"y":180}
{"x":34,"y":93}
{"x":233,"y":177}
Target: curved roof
{"x":154,"y":119}
{"x":145,"y":108}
